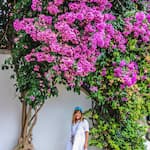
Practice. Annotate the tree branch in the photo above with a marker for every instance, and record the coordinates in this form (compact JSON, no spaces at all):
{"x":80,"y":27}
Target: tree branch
{"x":36,"y":111}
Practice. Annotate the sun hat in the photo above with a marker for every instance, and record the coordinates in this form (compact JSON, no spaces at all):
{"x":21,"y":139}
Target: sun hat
{"x":78,"y":108}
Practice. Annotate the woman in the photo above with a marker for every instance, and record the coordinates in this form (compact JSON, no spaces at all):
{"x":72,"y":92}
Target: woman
{"x":79,"y":131}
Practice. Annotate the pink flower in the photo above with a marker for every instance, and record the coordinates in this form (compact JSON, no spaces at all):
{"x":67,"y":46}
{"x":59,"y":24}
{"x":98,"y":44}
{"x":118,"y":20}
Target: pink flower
{"x":89,"y":16}
{"x":94,"y":88}
{"x":122,"y":63}
{"x":80,"y":16}
{"x":132,"y":65}
{"x":36,"y":68}
{"x":32,"y":98}
{"x":146,"y":38}
{"x":49,"y":58}
{"x":122,"y":86}
{"x":25,"y":46}
{"x":39,"y":75}
{"x":148,"y":17}
{"x":124,"y":99}
{"x":36,"y":5}
{"x":39,"y":56}
{"x":16,"y":40}
{"x":70,"y":17}
{"x":45,"y":19}
{"x":101,"y":26}
{"x":89,"y":28}
{"x":56,"y":68}
{"x":140,"y":16}
{"x":58,"y":2}
{"x":98,"y":39}
{"x":127,"y":73}
{"x":17,"y":25}
{"x":118,"y":72}
{"x":103,"y":72}
{"x":28,"y":58}
{"x":52,"y":8}
{"x":143,"y":77}
{"x":109,"y":17}
{"x":74,"y":6}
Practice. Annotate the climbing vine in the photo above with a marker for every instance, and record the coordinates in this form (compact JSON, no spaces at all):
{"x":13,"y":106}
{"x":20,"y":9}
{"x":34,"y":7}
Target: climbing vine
{"x":101,"y":46}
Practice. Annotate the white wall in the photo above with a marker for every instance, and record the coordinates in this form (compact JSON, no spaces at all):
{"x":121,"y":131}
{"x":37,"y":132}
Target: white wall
{"x":52,"y":128}
{"x":9,"y":111}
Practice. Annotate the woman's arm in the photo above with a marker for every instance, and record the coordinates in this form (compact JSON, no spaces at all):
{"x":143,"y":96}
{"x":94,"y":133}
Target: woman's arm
{"x":86,"y":140}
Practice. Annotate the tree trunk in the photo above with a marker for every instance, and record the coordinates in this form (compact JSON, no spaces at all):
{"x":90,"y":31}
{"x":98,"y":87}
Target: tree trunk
{"x":29,"y":118}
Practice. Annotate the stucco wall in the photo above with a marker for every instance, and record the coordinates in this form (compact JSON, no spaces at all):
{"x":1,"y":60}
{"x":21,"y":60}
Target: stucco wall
{"x":52,"y":128}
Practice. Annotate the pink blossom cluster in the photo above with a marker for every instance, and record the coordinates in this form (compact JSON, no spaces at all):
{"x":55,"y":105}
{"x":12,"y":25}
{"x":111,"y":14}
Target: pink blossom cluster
{"x":127,"y":72}
{"x":32,"y":98}
{"x":39,"y":57}
{"x":52,"y":8}
{"x":45,"y":20}
{"x":36,"y":5}
{"x":93,"y":88}
{"x":71,"y":38}
{"x":26,"y":24}
{"x":139,"y":26}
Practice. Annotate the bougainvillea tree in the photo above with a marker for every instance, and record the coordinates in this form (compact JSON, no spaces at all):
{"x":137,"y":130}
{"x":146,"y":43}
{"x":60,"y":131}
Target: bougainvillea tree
{"x":81,"y":43}
{"x":120,"y":85}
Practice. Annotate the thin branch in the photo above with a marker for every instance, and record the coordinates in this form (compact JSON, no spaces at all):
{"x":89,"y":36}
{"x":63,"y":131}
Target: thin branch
{"x":26,"y":121}
{"x":121,"y":4}
{"x":36,"y":111}
{"x":33,"y":124}
{"x":23,"y":116}
{"x":4,"y":35}
{"x":24,"y":112}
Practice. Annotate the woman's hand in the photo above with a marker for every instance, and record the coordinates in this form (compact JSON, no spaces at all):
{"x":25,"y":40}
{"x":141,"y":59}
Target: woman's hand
{"x":85,"y":146}
{"x":86,"y":140}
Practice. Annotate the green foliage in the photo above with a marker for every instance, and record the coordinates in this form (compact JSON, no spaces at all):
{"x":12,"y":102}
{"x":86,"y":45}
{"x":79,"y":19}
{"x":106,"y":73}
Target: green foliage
{"x":116,"y":123}
{"x":121,"y":7}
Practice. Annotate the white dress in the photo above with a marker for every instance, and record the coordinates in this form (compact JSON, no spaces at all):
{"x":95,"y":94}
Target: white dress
{"x":78,"y":132}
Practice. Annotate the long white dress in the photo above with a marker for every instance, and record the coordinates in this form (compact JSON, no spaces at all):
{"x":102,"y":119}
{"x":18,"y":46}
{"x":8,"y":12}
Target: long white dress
{"x":78,"y":132}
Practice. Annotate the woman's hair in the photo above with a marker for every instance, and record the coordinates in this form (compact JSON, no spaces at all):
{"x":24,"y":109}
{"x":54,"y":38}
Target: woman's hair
{"x":73,"y":116}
